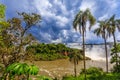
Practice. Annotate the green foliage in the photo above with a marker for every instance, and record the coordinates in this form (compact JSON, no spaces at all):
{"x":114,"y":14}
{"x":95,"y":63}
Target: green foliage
{"x":79,"y":23}
{"x":49,"y":57}
{"x":115,"y":58}
{"x":3,"y":23}
{"x":75,"y":58}
{"x":117,"y":49}
{"x":69,"y":78}
{"x":14,"y":37}
{"x":81,"y":19}
{"x":33,"y":70}
{"x":2,"y":11}
{"x":94,"y":73}
{"x":93,"y":70}
{"x":18,"y":68}
{"x":116,"y":69}
{"x":22,"y":68}
{"x":102,"y":31}
{"x":49,"y":51}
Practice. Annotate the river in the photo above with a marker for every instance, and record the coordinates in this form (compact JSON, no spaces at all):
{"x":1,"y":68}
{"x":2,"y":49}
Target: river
{"x":59,"y":68}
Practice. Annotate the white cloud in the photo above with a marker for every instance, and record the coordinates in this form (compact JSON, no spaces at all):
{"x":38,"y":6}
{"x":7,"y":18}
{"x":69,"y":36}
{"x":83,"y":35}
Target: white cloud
{"x":57,"y":40}
{"x":61,"y":21}
{"x":105,"y":16}
{"x":43,"y":7}
{"x":111,"y":6}
{"x":48,"y":10}
{"x":61,"y":6}
{"x":91,"y":4}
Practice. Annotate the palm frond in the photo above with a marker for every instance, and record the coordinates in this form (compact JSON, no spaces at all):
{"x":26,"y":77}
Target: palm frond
{"x":118,"y":24}
{"x":92,"y":20}
{"x":112,"y":18}
{"x":97,"y":31}
{"x":77,"y":20}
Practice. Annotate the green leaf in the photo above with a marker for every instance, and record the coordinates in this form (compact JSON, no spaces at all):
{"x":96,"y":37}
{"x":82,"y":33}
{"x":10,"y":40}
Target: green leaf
{"x":33,"y":70}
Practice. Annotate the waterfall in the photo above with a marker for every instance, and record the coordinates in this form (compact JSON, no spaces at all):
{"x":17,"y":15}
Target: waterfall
{"x":94,"y":51}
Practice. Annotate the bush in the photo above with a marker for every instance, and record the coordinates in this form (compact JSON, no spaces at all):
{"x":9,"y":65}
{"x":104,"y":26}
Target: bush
{"x":94,"y":73}
{"x":68,"y":78}
{"x":93,"y":70}
{"x":109,"y":76}
{"x":116,"y":69}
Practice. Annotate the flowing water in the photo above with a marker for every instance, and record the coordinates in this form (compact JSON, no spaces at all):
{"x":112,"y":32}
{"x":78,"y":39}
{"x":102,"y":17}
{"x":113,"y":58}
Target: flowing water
{"x":94,"y":51}
{"x":63,"y":67}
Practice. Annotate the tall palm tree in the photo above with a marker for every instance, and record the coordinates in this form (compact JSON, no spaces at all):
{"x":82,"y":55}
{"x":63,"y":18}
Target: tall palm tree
{"x":102,"y":31}
{"x":75,"y":58}
{"x":114,"y":24}
{"x":80,"y":22}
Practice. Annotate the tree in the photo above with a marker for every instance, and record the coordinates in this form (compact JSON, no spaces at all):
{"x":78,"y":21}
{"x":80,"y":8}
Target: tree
{"x":80,"y":22}
{"x":14,"y":37}
{"x":102,"y":31}
{"x":114,"y":24}
{"x":2,"y":11}
{"x":75,"y":58}
{"x":114,"y":50}
{"x":3,"y":25}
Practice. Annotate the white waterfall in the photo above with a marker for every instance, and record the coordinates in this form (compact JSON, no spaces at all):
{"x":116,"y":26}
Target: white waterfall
{"x":94,"y":51}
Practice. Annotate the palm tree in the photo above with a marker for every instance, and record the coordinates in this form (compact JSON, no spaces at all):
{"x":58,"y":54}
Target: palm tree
{"x":113,"y":26}
{"x":75,"y":58}
{"x":80,"y":22}
{"x":102,"y":31}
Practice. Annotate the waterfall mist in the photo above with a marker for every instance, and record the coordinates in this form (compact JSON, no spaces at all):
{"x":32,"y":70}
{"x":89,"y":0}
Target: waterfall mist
{"x":94,"y":51}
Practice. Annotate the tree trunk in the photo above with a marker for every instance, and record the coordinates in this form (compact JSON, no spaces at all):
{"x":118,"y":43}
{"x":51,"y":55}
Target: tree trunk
{"x":75,"y":68}
{"x":106,"y":54}
{"x":27,"y":76}
{"x":115,"y":50}
{"x":84,"y":51}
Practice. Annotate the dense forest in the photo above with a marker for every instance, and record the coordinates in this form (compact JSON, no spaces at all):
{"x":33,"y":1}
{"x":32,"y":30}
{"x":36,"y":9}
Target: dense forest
{"x":50,"y":52}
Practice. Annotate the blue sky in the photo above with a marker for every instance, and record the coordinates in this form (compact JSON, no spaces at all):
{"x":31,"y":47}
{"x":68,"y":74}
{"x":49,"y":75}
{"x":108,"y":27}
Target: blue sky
{"x":58,"y":15}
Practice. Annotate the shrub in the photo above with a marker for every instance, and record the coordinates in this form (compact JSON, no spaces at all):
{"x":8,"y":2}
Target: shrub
{"x":93,"y":70}
{"x":109,"y":76}
{"x":93,"y":73}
